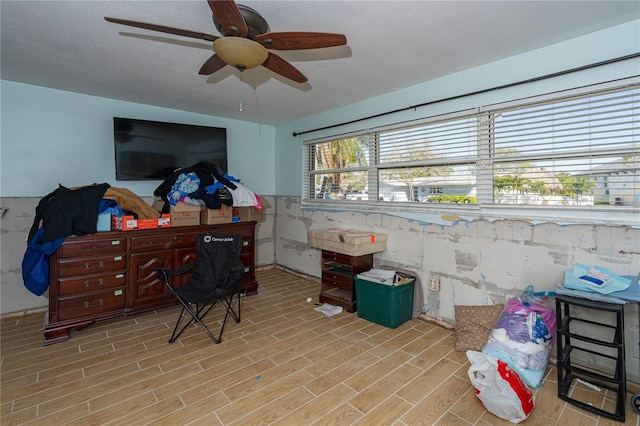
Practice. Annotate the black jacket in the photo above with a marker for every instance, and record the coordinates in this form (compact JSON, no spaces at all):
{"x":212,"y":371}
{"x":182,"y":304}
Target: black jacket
{"x":208,"y":173}
{"x":66,"y":212}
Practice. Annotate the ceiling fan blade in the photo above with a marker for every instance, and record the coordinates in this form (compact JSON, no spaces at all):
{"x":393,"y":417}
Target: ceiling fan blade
{"x":229,"y":17}
{"x":163,"y":29}
{"x":213,"y":64}
{"x":284,"y":68}
{"x":297,"y":40}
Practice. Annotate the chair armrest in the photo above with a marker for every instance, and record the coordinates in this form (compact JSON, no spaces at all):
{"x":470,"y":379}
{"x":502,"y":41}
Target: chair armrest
{"x":166,"y":272}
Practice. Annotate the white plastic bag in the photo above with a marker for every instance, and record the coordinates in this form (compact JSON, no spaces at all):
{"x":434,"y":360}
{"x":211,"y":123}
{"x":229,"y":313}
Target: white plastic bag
{"x":499,"y":388}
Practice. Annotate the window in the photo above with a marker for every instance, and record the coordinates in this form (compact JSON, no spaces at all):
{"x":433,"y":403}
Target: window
{"x":579,"y":151}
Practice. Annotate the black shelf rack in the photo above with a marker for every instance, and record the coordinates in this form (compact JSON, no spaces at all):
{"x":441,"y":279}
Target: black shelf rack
{"x":610,"y":350}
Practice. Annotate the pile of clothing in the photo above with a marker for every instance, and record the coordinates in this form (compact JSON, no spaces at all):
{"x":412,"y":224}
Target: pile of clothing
{"x":205,"y":184}
{"x":524,"y":335}
{"x":72,"y":211}
{"x":515,"y":356}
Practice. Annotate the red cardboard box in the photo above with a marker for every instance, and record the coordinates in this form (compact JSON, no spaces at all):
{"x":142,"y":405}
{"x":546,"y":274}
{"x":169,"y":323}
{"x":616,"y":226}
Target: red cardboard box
{"x":128,"y":223}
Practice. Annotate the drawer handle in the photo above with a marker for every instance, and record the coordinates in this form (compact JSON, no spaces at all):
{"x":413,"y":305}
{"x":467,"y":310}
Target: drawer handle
{"x":87,"y":305}
{"x":96,"y":266}
{"x":96,"y":284}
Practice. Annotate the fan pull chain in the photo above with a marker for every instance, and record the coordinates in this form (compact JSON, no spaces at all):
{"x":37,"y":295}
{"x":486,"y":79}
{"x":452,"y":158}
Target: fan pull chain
{"x":240,"y":105}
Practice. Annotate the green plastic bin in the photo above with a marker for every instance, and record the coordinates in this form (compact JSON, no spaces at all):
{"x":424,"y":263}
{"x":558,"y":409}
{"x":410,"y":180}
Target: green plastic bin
{"x":388,"y":305}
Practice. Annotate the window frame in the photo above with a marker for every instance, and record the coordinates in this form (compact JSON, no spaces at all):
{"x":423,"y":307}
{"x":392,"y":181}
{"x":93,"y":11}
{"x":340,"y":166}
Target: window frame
{"x":484,"y":208}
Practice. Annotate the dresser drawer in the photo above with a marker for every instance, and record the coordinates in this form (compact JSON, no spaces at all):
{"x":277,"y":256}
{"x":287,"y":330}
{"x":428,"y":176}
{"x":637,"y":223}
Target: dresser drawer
{"x":92,"y":304}
{"x":248,"y":275}
{"x":92,"y":265}
{"x":162,"y":242}
{"x":91,"y":283}
{"x":337,"y":279}
{"x":81,"y":248}
{"x":337,"y":257}
{"x":247,"y":247}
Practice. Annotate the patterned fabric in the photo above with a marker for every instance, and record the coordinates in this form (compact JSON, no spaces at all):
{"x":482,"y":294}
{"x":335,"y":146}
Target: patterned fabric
{"x":474,"y":325}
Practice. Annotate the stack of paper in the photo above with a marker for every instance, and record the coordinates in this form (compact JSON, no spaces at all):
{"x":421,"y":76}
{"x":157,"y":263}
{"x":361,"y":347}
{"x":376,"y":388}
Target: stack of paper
{"x":384,"y":276}
{"x":381,"y":276}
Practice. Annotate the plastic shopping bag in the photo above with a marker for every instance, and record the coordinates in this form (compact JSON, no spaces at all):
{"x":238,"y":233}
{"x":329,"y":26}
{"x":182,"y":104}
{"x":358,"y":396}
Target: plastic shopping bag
{"x":499,"y":388}
{"x":523,"y":336}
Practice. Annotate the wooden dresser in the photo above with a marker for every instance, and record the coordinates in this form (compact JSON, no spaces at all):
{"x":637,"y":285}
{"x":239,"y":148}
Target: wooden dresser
{"x":109,"y":274}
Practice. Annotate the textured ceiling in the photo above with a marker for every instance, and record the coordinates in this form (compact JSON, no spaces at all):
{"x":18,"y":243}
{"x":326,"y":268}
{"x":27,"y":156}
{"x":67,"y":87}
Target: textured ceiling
{"x":391,"y":44}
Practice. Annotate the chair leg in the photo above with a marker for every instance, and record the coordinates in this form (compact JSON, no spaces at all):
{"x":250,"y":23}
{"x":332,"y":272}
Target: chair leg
{"x":228,"y":310}
{"x":236,"y":314}
{"x":176,"y":334}
{"x":200,"y":312}
{"x":197,"y":317}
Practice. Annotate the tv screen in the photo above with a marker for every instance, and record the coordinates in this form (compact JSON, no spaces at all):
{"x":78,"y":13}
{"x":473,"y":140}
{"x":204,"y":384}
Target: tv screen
{"x":151,"y":150}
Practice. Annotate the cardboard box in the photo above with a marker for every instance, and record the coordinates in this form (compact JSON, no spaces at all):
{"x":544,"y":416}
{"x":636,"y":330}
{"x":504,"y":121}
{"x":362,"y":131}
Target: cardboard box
{"x":129,"y":223}
{"x":345,"y":241}
{"x":388,"y":305}
{"x":248,"y":214}
{"x":183,"y":214}
{"x":158,"y":205}
{"x":213,"y":216}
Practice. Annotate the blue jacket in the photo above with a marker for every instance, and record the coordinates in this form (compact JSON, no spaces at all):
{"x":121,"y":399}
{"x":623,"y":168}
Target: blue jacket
{"x":35,"y":264}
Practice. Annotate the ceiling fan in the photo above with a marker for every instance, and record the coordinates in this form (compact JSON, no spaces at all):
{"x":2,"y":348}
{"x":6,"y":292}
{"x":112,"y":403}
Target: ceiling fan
{"x":246,"y":38}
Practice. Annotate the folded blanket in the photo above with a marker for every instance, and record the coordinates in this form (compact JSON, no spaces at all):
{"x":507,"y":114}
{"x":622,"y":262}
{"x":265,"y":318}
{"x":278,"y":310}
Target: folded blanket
{"x":131,"y":202}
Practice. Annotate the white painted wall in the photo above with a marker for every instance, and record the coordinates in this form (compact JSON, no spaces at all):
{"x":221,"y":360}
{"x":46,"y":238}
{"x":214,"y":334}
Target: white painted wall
{"x":52,"y":136}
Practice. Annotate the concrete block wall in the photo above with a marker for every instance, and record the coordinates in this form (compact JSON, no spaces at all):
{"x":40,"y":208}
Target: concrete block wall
{"x":478,"y":262}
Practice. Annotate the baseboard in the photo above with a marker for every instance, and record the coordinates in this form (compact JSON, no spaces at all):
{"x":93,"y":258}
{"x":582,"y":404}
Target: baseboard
{"x":19,"y":314}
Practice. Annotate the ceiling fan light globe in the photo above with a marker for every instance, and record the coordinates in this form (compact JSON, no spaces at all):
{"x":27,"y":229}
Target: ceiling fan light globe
{"x":240,"y":52}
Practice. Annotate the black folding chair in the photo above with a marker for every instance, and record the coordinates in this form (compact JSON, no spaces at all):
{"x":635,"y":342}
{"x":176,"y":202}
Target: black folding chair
{"x":215,"y":281}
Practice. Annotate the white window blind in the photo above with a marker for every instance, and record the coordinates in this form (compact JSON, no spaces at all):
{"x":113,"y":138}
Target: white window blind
{"x":429,"y":162}
{"x":579,"y":151}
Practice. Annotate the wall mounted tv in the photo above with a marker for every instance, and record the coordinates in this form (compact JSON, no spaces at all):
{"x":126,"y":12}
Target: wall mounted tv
{"x":151,"y":150}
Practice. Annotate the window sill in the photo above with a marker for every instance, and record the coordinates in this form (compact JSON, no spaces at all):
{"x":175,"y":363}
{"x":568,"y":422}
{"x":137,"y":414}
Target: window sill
{"x":448,"y":214}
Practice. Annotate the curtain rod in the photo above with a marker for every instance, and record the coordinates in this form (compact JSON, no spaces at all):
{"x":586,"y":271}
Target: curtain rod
{"x":478,"y":92}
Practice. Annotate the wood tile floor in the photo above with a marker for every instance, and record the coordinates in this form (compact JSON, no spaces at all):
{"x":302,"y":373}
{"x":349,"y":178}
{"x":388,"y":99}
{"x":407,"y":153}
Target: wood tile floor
{"x":284,"y":364}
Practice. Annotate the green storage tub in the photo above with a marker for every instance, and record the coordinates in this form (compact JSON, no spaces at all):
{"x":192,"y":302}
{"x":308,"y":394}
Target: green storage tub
{"x":384,"y":304}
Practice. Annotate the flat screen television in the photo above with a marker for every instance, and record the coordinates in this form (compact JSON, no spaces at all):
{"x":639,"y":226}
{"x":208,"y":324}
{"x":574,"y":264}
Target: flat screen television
{"x":151,"y":150}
